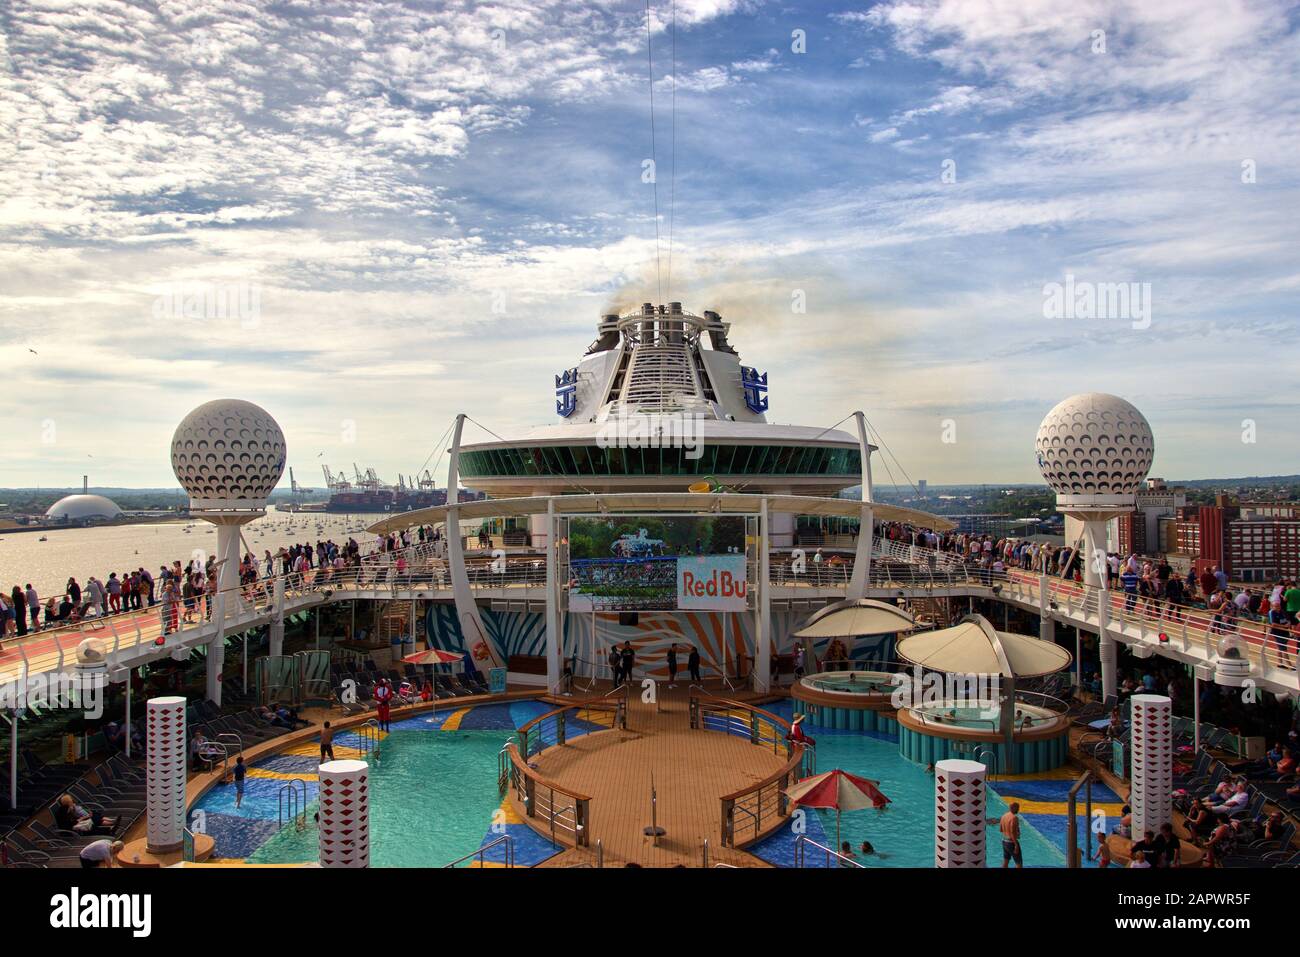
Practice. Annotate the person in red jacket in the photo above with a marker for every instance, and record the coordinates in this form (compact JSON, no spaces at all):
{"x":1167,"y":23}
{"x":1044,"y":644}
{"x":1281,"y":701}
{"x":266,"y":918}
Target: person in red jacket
{"x":383,"y":702}
{"x":797,"y":736}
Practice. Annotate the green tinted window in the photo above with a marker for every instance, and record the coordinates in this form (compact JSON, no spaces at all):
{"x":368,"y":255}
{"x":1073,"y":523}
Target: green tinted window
{"x":719,"y":460}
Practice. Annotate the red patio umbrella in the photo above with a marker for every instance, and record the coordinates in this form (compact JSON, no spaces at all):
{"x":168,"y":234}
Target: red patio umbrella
{"x":433,"y":656}
{"x":840,"y":790}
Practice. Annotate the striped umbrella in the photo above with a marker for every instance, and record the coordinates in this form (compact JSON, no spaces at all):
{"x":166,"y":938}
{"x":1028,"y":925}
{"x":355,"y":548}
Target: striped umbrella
{"x":433,"y":656}
{"x":840,"y":790}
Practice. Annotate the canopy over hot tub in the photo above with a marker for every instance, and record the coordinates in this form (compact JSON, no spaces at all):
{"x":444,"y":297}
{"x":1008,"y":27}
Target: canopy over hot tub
{"x":974,"y":646}
{"x":853,"y":619}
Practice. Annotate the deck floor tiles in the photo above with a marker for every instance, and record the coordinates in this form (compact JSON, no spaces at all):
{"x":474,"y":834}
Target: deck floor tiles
{"x":691,"y":770}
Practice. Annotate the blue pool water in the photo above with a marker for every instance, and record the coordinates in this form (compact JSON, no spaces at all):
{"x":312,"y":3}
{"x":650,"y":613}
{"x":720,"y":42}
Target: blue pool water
{"x":433,"y":795}
{"x":903,"y":835}
{"x":433,"y":799}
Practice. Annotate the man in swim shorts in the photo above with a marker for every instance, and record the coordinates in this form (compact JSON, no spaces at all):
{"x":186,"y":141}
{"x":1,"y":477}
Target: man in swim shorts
{"x":326,"y":742}
{"x":1009,"y":825}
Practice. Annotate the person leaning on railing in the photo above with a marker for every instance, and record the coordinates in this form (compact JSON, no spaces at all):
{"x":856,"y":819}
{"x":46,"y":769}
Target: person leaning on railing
{"x":796,"y":733}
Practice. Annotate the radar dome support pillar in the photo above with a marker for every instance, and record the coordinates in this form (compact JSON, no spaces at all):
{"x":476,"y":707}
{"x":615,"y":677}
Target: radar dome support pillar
{"x":228,"y":601}
{"x":857,"y":587}
{"x":1046,"y":624}
{"x":275,"y":639}
{"x":1096,"y":577}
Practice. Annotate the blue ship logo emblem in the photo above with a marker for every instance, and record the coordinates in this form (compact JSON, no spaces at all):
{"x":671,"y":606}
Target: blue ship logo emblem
{"x":755,"y":385}
{"x":566,"y":392}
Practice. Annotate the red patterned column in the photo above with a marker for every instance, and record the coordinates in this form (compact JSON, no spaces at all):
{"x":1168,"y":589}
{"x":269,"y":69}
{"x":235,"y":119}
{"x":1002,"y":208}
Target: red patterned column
{"x":345,"y":814}
{"x":165,"y":774}
{"x":959,"y":826}
{"x":1151,"y":768}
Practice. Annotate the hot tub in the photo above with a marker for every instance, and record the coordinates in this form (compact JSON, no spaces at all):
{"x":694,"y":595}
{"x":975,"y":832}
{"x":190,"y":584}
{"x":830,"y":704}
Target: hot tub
{"x":972,"y":730}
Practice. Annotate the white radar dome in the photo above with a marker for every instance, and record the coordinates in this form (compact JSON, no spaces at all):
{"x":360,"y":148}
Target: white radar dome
{"x":1095,"y":449}
{"x":228,"y":454}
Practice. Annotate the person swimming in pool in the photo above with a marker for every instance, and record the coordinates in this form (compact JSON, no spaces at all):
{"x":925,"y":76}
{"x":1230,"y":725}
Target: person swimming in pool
{"x":867,"y":850}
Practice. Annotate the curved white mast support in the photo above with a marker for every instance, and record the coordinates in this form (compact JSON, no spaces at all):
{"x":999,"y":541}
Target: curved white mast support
{"x":552,"y":603}
{"x":471,"y":625}
{"x":1006,"y":692}
{"x":762,"y":676}
{"x":857,"y":587}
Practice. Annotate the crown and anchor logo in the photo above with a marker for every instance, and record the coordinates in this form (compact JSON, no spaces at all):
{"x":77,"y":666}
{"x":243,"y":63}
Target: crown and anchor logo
{"x":566,"y":392}
{"x":755,"y":386}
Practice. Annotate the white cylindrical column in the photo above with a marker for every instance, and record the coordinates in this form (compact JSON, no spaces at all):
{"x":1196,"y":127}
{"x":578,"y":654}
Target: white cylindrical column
{"x":345,"y":814}
{"x":1096,"y":576}
{"x":165,"y":774}
{"x":1151,"y":769}
{"x":229,"y":551}
{"x":959,"y":826}
{"x":215,"y":663}
{"x":276,"y":638}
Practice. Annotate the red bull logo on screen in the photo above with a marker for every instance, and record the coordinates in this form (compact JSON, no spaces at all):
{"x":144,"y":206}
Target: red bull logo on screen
{"x":712,"y":583}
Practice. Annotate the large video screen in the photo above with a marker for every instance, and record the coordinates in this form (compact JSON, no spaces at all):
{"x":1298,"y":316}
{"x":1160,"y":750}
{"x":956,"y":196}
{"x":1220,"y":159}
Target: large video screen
{"x":695,"y":564}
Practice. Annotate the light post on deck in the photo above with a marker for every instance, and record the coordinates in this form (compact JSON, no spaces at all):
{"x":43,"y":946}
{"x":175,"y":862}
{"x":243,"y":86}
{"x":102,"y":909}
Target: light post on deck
{"x":1095,"y":450}
{"x":228,"y":455}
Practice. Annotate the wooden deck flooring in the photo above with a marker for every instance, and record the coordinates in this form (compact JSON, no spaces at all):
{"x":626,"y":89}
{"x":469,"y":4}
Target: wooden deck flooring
{"x":690,"y":771}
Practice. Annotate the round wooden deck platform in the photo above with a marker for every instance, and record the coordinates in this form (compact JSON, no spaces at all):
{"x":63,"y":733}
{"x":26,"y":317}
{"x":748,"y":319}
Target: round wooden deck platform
{"x":690,"y":771}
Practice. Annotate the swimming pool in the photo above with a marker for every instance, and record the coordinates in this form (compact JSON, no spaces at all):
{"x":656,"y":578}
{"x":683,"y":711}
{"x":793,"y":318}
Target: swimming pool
{"x":433,"y":795}
{"x":903,"y":835}
{"x":434,"y":799}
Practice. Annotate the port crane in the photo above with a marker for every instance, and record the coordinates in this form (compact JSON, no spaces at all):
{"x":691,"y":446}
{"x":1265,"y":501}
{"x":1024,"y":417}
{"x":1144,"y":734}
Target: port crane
{"x":336,"y":482}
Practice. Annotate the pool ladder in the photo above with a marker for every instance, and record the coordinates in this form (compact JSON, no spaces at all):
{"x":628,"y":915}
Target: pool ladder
{"x":803,"y":842}
{"x":504,"y":841}
{"x":504,"y":767}
{"x":292,"y":804}
{"x":368,"y":738}
{"x":987,"y":757}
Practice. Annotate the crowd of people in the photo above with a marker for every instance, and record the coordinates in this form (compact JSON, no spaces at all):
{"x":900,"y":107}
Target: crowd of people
{"x":186,"y":593}
{"x":1220,"y":822}
{"x":1151,"y":586}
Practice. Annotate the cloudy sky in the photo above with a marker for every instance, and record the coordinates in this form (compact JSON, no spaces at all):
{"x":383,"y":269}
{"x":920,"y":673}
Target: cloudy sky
{"x":402,"y":211}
